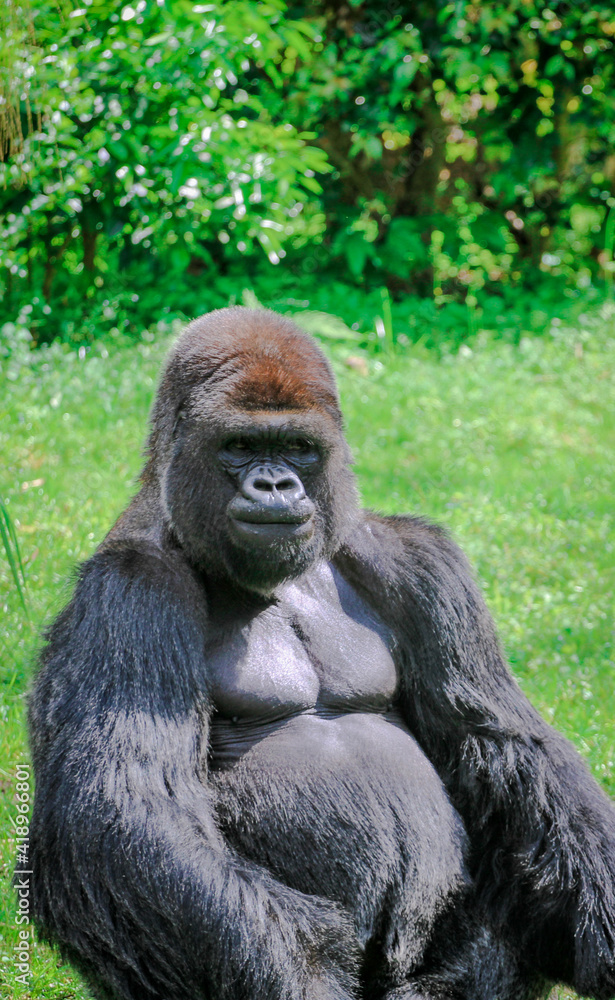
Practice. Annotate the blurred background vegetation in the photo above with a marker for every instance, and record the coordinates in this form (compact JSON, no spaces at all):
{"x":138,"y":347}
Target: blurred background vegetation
{"x":449,"y":155}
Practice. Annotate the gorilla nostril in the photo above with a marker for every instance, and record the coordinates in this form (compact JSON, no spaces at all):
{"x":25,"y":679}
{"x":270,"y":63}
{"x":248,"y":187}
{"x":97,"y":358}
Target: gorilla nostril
{"x":264,"y":485}
{"x":286,"y":484}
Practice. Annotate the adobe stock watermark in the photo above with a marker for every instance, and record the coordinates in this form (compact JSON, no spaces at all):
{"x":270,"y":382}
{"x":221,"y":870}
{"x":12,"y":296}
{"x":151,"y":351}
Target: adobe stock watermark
{"x":22,"y":950}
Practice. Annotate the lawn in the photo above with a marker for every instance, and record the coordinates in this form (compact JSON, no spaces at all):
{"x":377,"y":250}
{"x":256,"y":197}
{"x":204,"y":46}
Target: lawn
{"x":511,"y":447}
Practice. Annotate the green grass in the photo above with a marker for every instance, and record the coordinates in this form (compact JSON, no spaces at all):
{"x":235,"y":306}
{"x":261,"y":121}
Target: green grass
{"x":511,"y":447}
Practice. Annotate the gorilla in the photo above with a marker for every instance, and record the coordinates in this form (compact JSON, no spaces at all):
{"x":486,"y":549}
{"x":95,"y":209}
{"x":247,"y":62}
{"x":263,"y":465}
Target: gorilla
{"x":278,"y":753}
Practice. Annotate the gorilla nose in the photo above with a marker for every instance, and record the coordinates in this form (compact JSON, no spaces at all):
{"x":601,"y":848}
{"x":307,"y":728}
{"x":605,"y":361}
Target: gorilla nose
{"x":272,"y":496}
{"x":268,"y":485}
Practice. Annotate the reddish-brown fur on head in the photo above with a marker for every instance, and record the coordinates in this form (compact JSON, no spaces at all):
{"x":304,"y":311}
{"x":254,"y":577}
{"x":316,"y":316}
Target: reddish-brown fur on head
{"x":257,"y":359}
{"x":241,"y":360}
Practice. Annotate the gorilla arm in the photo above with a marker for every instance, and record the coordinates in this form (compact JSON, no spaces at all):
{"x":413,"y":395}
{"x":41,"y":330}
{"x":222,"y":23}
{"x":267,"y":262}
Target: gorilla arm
{"x":543,"y":832}
{"x":131,"y":876}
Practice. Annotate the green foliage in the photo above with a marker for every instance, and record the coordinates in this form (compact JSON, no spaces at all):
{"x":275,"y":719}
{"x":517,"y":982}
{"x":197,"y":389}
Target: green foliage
{"x":155,"y":151}
{"x":149,"y":141}
{"x":375,"y":321}
{"x":490,"y":124}
{"x":609,"y":245}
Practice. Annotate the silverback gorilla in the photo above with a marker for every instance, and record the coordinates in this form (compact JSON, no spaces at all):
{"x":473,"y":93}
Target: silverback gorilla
{"x":278,"y":753}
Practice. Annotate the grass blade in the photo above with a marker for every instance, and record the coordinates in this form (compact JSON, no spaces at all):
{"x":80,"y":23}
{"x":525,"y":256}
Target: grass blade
{"x":13,"y":554}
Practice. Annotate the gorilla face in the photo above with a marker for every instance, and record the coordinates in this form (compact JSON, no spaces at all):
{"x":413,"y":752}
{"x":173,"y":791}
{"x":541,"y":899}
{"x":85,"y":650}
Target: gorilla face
{"x":247,"y":450}
{"x":271,"y":507}
{"x":252,"y":502}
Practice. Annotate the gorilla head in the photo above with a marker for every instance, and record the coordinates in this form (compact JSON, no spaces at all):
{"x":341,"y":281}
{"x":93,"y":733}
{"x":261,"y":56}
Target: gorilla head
{"x":247,"y":449}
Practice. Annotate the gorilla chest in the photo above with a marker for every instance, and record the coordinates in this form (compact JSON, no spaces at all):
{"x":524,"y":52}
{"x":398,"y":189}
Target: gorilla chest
{"x":315,"y":648}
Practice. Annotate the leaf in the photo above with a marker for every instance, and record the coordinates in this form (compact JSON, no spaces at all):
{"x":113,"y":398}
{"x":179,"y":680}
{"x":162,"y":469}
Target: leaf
{"x":554,"y":65}
{"x":323,"y":324}
{"x":158,"y":39}
{"x":311,"y":184}
{"x":357,"y":250}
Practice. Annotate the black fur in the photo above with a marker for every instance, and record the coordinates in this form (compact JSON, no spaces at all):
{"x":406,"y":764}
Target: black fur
{"x":301,"y":770}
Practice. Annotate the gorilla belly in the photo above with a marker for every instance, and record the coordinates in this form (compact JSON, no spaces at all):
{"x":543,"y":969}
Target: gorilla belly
{"x":348,"y":807}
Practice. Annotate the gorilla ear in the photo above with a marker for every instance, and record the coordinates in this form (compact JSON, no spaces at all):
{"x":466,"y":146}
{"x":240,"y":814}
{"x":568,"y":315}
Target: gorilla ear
{"x":179,"y":416}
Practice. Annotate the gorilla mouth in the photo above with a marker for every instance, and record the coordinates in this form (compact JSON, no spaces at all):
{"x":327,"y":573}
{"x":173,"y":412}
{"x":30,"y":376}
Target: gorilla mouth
{"x":260,"y":527}
{"x":272,"y":533}
{"x":272,"y":515}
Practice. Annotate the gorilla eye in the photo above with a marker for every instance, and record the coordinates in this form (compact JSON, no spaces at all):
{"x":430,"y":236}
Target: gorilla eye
{"x":300,"y":450}
{"x":238,"y":452}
